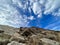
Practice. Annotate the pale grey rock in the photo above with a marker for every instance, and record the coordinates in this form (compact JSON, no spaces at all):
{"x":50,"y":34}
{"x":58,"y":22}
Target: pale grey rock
{"x":15,"y":43}
{"x":48,"y":41}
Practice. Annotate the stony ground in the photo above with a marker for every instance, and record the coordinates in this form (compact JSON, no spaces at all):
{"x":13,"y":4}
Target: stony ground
{"x":28,"y":36}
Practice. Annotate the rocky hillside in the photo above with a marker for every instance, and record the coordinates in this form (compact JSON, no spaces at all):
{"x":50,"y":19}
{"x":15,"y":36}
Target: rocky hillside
{"x":28,"y":36}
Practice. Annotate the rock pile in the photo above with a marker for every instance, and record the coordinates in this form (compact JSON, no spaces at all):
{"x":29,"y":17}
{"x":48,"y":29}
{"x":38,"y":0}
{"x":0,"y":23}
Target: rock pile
{"x":29,"y":36}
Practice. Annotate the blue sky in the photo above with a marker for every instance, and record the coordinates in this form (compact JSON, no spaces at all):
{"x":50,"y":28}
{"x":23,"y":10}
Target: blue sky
{"x":25,"y":13}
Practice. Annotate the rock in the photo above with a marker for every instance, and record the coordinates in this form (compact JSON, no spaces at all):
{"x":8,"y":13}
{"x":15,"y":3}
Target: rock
{"x":15,"y":43}
{"x":17,"y":37}
{"x":1,"y":31}
{"x":48,"y":41}
{"x":4,"y":39}
{"x":28,"y":36}
{"x":33,"y":40}
{"x":27,"y":31}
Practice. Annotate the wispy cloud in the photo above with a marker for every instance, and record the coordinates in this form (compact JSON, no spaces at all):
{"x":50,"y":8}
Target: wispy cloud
{"x":46,"y":7}
{"x":10,"y":15}
{"x":52,"y":6}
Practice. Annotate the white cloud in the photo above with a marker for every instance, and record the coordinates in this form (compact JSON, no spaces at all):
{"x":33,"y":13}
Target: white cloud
{"x":9,"y":15}
{"x":50,"y":7}
{"x":39,"y":16}
{"x":56,"y":13}
{"x":36,"y":8}
{"x":37,"y":5}
{"x":31,"y":18}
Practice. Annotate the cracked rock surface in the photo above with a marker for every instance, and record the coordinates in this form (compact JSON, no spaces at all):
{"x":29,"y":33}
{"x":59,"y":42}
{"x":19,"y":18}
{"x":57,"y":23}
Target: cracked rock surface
{"x":28,"y":36}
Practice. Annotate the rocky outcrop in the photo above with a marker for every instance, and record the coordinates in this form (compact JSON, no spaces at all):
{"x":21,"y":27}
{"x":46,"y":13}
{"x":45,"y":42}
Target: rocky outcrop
{"x":4,"y":39}
{"x":48,"y":41}
{"x":15,"y":43}
{"x":28,"y":36}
